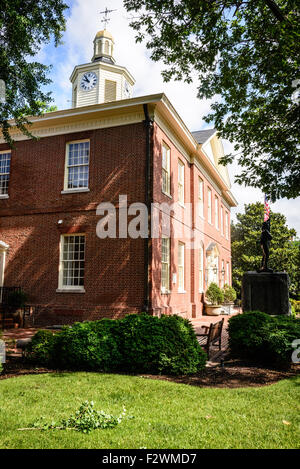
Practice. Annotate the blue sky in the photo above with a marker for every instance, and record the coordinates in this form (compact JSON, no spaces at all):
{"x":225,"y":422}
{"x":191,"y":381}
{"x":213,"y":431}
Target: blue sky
{"x":83,"y":21}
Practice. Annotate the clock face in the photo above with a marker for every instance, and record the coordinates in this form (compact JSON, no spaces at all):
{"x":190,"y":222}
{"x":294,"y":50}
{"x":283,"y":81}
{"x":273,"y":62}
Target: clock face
{"x":88,"y":81}
{"x":126,"y":89}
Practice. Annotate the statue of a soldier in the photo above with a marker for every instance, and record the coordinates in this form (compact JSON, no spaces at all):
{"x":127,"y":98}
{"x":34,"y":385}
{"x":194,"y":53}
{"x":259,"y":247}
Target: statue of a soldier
{"x":265,"y":239}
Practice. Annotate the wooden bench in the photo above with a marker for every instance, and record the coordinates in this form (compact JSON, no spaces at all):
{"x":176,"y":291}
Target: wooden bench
{"x":211,"y":336}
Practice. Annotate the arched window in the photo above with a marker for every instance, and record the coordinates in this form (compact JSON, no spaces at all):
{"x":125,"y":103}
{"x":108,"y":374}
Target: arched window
{"x":106,"y":47}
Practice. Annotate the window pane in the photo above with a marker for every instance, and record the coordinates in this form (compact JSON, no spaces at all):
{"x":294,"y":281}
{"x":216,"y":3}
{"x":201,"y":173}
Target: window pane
{"x":73,"y":260}
{"x":78,"y":165}
{"x":4,"y":172}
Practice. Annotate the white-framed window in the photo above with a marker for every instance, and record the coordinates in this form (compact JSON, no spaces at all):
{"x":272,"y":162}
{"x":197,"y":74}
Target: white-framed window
{"x":166,"y":176}
{"x":217,"y":212}
{"x":200,"y":197}
{"x":72,"y":260}
{"x":181,"y":267}
{"x":180,"y":182}
{"x":227,"y":273}
{"x":222,"y":221}
{"x":201,"y":269}
{"x":209,"y":208}
{"x":77,"y":165}
{"x":226,"y":225}
{"x":4,"y":171}
{"x":165,"y":265}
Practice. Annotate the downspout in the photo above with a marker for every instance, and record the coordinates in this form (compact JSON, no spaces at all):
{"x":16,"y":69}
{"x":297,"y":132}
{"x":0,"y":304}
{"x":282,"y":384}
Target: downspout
{"x":148,"y":198}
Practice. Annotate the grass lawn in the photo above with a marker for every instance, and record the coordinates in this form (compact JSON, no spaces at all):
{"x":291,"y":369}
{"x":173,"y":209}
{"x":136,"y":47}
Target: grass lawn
{"x":166,"y":414}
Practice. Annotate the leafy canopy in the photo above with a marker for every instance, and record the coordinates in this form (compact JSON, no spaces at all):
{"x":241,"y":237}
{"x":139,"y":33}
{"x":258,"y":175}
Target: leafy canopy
{"x":24,"y":27}
{"x":246,"y":55}
{"x":246,"y":250}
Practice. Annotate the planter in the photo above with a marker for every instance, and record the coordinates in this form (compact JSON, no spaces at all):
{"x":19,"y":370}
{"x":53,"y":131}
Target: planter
{"x":228,"y":307}
{"x":213,"y":310}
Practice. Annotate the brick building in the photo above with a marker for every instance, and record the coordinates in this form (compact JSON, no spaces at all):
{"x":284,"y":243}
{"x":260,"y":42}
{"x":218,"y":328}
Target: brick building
{"x":112,"y":148}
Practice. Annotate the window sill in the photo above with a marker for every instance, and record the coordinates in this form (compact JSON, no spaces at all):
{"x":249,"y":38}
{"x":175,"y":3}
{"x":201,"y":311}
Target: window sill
{"x":181,"y":204}
{"x":70,"y":290}
{"x":165,"y":292}
{"x":4,"y":196}
{"x":75,"y":191}
{"x":181,"y":291}
{"x":168,"y":195}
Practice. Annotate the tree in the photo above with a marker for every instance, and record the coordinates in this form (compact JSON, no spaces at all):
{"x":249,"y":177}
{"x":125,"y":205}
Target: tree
{"x":24,"y":26}
{"x":246,"y":54}
{"x":246,"y":250}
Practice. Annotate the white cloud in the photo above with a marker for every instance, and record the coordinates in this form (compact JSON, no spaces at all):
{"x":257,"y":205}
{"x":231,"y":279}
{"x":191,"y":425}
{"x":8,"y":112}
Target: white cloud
{"x":83,"y":23}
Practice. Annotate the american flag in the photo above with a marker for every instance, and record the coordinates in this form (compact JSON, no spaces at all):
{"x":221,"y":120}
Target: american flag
{"x":267,"y":209}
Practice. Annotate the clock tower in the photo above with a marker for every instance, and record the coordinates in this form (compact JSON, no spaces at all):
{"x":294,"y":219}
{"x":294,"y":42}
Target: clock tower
{"x":101,"y":80}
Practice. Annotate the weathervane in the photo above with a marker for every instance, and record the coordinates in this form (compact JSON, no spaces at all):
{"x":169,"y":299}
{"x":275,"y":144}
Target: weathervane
{"x":106,"y":19}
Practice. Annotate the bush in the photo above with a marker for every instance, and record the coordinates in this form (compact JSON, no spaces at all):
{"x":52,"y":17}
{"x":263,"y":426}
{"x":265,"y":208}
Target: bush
{"x":214,"y":294}
{"x":229,"y":293}
{"x":160,"y":345}
{"x":296,"y":305}
{"x":256,"y":335}
{"x":91,"y":345}
{"x":137,"y":343}
{"x":41,"y":350}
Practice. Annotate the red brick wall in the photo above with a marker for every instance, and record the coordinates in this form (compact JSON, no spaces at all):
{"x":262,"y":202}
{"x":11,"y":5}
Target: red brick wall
{"x":114,"y":268}
{"x":190,"y":303}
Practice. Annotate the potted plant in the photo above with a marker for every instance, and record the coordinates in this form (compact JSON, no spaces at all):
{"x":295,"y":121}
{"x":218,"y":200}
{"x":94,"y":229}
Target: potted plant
{"x":215,"y":297}
{"x":229,"y":296}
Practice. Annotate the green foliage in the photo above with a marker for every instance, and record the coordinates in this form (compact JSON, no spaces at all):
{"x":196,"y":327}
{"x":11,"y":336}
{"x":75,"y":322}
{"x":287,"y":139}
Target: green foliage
{"x":84,"y":420}
{"x":25,"y":27}
{"x":246,"y":250}
{"x":247,"y":61}
{"x":214,"y":294}
{"x":17,"y":299}
{"x":229,"y":293}
{"x":137,"y":343}
{"x":296,"y":305}
{"x":256,"y":335}
{"x":160,"y":345}
{"x":41,"y":349}
{"x":91,"y":345}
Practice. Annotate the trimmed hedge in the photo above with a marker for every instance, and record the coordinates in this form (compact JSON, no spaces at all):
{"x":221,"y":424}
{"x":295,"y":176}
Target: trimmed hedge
{"x":137,"y":343}
{"x":256,"y":335}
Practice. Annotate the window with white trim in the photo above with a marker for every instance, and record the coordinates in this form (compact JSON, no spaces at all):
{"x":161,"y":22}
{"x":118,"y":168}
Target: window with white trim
{"x":209,"y":208}
{"x":4,"y":171}
{"x":166,"y":178}
{"x":180,"y":267}
{"x":165,"y":265}
{"x":201,"y":269}
{"x":77,"y":165}
{"x":216,"y":212}
{"x":222,"y":221}
{"x":200,"y":197}
{"x":226,"y":226}
{"x":180,"y":182}
{"x":72,"y":259}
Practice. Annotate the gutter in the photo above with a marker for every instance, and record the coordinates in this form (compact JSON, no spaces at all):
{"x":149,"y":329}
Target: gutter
{"x":148,"y":198}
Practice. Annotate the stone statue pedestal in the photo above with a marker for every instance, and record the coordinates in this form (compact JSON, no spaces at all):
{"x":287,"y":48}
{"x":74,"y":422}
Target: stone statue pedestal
{"x":266,"y":292}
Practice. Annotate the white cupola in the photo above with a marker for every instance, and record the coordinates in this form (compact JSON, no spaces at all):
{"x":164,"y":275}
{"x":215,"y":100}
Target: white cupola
{"x":101,"y":80}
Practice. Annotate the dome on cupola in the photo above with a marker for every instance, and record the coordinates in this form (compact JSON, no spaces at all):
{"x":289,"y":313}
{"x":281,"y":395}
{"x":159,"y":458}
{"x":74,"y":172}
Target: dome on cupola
{"x":103,"y":47}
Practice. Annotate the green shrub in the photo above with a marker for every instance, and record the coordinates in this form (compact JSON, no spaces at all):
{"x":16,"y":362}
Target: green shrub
{"x":91,"y":345}
{"x":256,"y":335}
{"x":229,"y":293}
{"x":137,"y":343}
{"x":296,"y":305}
{"x":160,"y":345}
{"x":214,"y":294}
{"x":41,"y":350}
